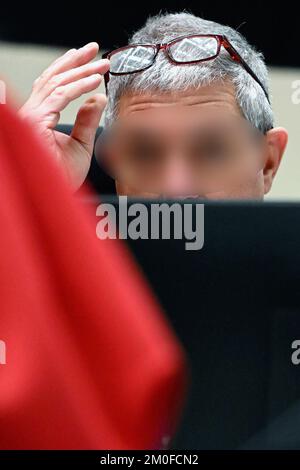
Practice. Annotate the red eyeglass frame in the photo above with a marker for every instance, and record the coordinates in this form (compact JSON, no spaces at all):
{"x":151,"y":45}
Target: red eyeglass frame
{"x":221,"y":39}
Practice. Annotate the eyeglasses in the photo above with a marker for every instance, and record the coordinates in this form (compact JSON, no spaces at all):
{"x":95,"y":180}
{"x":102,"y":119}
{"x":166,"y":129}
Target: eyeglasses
{"x":219,"y":154}
{"x":191,"y":49}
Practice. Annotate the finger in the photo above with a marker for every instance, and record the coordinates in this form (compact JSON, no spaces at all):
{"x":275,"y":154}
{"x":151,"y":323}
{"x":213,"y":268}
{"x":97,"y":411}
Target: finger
{"x":38,"y":83}
{"x":62,"y":96}
{"x":73,"y":75}
{"x":87,"y":121}
{"x":58,"y":59}
{"x":73,"y":58}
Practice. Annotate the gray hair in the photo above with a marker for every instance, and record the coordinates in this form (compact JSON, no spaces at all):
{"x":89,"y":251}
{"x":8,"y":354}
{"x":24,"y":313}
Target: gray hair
{"x":165,"y":77}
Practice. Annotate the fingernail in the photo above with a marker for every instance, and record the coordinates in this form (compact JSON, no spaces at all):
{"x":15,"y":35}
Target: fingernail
{"x":90,"y":45}
{"x":102,"y":62}
{"x":95,"y":76}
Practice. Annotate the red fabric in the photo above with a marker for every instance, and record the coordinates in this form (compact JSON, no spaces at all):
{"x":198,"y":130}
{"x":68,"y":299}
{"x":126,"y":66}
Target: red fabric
{"x":91,"y":362}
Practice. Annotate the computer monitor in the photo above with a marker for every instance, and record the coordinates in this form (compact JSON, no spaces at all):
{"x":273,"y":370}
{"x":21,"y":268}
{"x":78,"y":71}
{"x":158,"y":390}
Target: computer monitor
{"x":235,"y":306}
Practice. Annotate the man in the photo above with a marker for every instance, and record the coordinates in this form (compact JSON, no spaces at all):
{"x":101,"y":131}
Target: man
{"x":187,"y":112}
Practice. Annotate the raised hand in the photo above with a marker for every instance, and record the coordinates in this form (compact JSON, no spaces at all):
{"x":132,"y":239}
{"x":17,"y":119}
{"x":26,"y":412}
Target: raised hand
{"x":66,"y":79}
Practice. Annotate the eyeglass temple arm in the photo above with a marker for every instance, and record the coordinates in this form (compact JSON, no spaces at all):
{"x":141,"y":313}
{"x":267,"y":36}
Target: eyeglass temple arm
{"x":238,"y":58}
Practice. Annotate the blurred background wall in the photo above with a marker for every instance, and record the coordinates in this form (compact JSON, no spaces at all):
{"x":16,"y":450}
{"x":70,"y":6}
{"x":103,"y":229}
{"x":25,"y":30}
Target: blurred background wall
{"x":32,"y":37}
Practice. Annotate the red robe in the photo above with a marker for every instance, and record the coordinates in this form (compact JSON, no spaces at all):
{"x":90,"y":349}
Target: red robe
{"x":91,"y":363}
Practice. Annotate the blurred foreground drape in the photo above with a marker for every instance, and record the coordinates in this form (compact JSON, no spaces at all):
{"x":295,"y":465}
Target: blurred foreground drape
{"x":91,"y":362}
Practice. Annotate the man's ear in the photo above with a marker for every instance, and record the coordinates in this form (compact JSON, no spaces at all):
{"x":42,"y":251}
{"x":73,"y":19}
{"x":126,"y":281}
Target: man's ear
{"x":276,"y":140}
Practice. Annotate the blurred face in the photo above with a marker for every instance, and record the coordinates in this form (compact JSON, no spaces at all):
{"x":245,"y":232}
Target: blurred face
{"x":192,"y":144}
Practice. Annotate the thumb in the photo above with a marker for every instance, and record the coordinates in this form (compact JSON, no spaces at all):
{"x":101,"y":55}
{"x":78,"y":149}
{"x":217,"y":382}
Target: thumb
{"x":87,"y":121}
